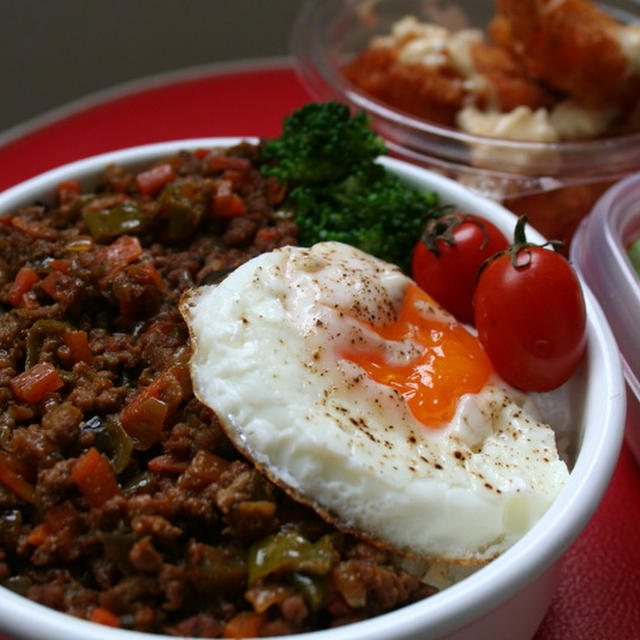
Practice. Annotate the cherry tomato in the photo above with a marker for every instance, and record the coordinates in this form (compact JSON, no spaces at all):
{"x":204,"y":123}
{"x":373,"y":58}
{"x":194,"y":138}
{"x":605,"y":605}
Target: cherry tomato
{"x":530,"y":315}
{"x":446,"y":260}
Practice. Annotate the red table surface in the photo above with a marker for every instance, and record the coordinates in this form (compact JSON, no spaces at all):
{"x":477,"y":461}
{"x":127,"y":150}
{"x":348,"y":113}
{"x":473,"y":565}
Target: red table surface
{"x":598,"y":594}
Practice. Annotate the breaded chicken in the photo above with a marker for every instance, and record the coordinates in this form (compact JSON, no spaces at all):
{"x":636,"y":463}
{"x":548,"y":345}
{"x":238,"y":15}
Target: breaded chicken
{"x":573,"y":47}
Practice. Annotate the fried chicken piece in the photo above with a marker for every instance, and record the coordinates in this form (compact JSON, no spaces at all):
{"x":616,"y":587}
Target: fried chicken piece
{"x":431,"y":93}
{"x":437,"y":92}
{"x":573,"y":47}
{"x":508,"y":85}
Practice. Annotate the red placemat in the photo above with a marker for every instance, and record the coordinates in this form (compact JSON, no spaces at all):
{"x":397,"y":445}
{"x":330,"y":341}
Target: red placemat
{"x":598,"y":595}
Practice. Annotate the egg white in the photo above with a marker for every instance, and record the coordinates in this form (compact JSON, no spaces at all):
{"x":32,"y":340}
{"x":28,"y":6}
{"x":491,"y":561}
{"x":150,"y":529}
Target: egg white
{"x":265,"y":358}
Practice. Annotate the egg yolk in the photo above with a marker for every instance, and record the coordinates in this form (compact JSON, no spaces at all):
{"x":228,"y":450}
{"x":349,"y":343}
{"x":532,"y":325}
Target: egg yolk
{"x":451,"y":363}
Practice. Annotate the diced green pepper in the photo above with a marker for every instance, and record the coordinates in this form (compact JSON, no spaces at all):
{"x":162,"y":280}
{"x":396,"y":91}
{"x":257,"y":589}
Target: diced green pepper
{"x":39,"y":330}
{"x":216,"y":570}
{"x":182,"y":205}
{"x":314,"y":589}
{"x":111,"y":439}
{"x":126,"y":217}
{"x":290,"y":552}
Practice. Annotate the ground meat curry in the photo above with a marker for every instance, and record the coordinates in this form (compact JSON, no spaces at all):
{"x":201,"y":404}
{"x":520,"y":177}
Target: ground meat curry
{"x":121,"y":500}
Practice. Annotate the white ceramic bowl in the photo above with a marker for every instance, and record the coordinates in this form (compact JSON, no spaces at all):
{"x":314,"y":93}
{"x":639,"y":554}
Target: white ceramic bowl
{"x":505,"y":599}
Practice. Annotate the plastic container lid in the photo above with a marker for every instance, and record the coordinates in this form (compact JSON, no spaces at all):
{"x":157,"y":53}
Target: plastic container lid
{"x":599,"y":253}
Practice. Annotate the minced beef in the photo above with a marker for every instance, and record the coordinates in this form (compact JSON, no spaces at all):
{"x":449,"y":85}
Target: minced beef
{"x":121,"y":499}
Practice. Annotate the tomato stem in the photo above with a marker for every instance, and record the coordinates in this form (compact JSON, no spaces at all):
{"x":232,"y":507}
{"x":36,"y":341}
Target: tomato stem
{"x":443,"y":228}
{"x":520,"y":243}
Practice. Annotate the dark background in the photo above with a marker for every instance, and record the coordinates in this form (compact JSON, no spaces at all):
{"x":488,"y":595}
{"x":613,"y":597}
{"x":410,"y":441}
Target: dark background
{"x":55,"y":51}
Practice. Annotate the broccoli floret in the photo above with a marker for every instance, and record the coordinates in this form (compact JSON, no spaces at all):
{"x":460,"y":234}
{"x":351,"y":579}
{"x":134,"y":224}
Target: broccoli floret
{"x":338,"y":191}
{"x":370,"y":209}
{"x":322,"y":142}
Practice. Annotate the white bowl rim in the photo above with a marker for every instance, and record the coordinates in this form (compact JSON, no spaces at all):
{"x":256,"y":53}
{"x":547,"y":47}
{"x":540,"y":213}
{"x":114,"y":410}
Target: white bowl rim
{"x":455,"y":606}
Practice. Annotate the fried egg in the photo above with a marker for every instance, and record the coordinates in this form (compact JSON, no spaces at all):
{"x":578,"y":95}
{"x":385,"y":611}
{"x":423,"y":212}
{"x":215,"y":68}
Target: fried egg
{"x":357,"y":394}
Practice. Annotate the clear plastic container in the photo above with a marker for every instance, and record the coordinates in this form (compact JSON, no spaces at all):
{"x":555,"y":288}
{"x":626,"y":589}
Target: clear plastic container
{"x":599,"y":253}
{"x":555,"y":184}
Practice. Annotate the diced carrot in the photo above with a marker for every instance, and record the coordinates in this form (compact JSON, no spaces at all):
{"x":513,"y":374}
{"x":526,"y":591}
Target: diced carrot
{"x":94,"y":477}
{"x":67,"y":191}
{"x":78,"y":343}
{"x":48,"y":283}
{"x":172,"y":386}
{"x":234,"y":176}
{"x":220,"y":163}
{"x":104,"y":616}
{"x":151,"y":181}
{"x":32,"y":385}
{"x":14,"y":480}
{"x":225,"y":202}
{"x":143,"y":419}
{"x":167,"y":464}
{"x":24,"y":280}
{"x":245,"y":624}
{"x":39,"y":534}
{"x":60,"y":265}
{"x":117,"y":256}
{"x":61,"y":516}
{"x":267,"y":234}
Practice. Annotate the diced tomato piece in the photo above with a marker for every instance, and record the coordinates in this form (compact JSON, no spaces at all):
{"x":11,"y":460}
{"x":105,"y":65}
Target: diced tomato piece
{"x":101,"y":615}
{"x":78,"y":343}
{"x":32,"y":385}
{"x":13,"y":478}
{"x":24,"y":280}
{"x":201,"y":153}
{"x":67,"y":191}
{"x":151,"y":181}
{"x":246,"y":624}
{"x":94,"y":477}
{"x":220,"y":163}
{"x":167,"y":464}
